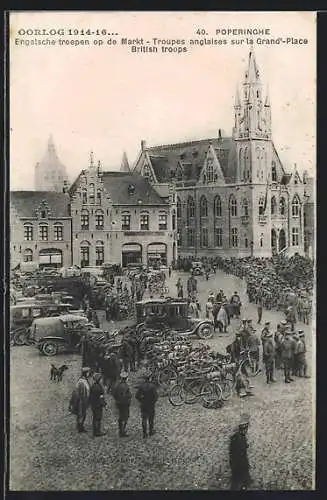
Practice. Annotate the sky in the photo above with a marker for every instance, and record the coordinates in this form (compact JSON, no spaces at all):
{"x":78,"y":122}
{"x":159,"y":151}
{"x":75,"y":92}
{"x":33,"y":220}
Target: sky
{"x":107,"y":99}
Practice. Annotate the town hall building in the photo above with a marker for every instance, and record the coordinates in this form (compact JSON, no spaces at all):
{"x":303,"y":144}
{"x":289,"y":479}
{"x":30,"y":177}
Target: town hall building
{"x":234,"y":196}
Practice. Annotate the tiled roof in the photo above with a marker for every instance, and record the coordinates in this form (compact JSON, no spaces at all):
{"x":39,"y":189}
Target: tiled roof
{"x":191,"y":155}
{"x":120,"y":187}
{"x":26,"y":202}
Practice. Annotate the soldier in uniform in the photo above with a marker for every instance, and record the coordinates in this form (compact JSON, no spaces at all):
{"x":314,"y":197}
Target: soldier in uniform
{"x":122,"y":396}
{"x":253,"y":344}
{"x":147,"y":396}
{"x":236,"y":303}
{"x":126,"y":354}
{"x":97,"y":403}
{"x":269,"y":357}
{"x":287,"y":356}
{"x":265,"y":332}
{"x":300,"y":353}
{"x":238,"y":458}
{"x":259,"y":307}
{"x":278,"y":338}
{"x":83,"y":397}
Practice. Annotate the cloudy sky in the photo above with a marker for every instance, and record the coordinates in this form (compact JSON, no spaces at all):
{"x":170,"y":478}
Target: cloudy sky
{"x":107,"y":99}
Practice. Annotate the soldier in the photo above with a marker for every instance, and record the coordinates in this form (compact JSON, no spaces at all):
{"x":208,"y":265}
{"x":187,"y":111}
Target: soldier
{"x":269,"y":357}
{"x":287,"y":355}
{"x":234,"y":349}
{"x":300,"y":353}
{"x":97,"y":403}
{"x":122,"y":396}
{"x":126,"y":354}
{"x":238,"y":458}
{"x":111,"y":369}
{"x":147,"y":396}
{"x":83,"y":395}
{"x":253,"y":344}
{"x":236,"y":303}
{"x":278,"y":338}
{"x":265,"y":332}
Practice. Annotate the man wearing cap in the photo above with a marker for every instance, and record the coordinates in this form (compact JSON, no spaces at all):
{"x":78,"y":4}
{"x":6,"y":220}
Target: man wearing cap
{"x":83,"y":394}
{"x":236,"y":303}
{"x":253,"y":344}
{"x":287,"y":355}
{"x":147,"y":396}
{"x":300,"y":354}
{"x":122,"y":396}
{"x":238,"y":457}
{"x":265,"y":332}
{"x":269,"y":357}
{"x":97,"y":403}
{"x":278,"y":338}
{"x":259,"y":306}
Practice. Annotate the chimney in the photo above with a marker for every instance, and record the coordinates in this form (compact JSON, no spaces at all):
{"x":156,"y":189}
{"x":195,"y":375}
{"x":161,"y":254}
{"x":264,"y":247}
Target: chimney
{"x":219,"y":133}
{"x":143,"y":145}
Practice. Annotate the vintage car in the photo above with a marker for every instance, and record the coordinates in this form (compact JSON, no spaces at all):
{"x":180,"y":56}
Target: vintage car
{"x":57,"y":334}
{"x":171,"y":313}
{"x":23,"y":314}
{"x":197,"y":268}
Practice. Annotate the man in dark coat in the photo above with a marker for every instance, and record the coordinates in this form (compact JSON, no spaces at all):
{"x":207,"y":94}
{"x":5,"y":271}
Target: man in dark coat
{"x":287,"y":353}
{"x":126,"y":354}
{"x":83,"y":398}
{"x":122,"y":396}
{"x":269,"y":357}
{"x":97,"y":403}
{"x":111,"y":369}
{"x":147,"y":396}
{"x":238,"y":458}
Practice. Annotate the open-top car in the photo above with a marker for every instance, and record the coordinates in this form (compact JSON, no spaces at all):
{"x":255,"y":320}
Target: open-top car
{"x":172,"y":314}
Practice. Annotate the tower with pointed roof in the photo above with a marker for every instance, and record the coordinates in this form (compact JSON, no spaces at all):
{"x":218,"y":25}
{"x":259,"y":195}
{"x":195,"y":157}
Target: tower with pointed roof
{"x":124,"y":163}
{"x":50,"y":174}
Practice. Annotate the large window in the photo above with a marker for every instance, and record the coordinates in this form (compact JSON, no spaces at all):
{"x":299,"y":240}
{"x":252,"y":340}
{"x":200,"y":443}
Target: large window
{"x":28,"y":232}
{"x":261,"y":205}
{"x":99,"y":220}
{"x":296,"y":206}
{"x":217,"y":207}
{"x":28,"y":255}
{"x":273,"y":172}
{"x":162,"y":221}
{"x":218,"y":237}
{"x":234,"y":237}
{"x":190,"y":237}
{"x":282,"y":206}
{"x":233,"y":206}
{"x":84,"y":196}
{"x":203,"y":207}
{"x":144,"y":222}
{"x":126,"y":222}
{"x":273,"y":205}
{"x":91,"y":193}
{"x":209,"y":171}
{"x":84,"y":221}
{"x":85,"y":254}
{"x":179,"y":208}
{"x":99,"y":197}
{"x":58,"y":232}
{"x":99,"y":253}
{"x":295,"y":236}
{"x":204,"y":237}
{"x":43,"y":232}
{"x":190,"y":208}
{"x":245,"y":206}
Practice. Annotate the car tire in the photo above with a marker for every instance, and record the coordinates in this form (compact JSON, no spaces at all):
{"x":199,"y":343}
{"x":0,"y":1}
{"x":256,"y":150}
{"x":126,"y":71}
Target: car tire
{"x":205,"y":331}
{"x":49,"y":349}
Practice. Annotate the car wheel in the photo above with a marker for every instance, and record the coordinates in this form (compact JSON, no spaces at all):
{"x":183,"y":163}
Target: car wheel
{"x":205,"y":331}
{"x":49,"y":349}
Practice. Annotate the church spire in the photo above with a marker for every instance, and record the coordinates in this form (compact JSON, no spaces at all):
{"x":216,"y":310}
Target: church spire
{"x":124,"y":163}
{"x":237,"y":97}
{"x":51,"y":146}
{"x":252,"y":74}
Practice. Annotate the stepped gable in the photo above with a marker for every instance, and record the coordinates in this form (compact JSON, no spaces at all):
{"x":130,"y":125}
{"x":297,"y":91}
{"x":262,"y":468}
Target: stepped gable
{"x":128,"y":188}
{"x":27,"y":202}
{"x":191,"y":156}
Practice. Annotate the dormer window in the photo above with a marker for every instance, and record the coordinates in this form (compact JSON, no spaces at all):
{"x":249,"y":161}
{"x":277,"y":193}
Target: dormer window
{"x":131,"y":189}
{"x":43,"y":214}
{"x":146,"y":171}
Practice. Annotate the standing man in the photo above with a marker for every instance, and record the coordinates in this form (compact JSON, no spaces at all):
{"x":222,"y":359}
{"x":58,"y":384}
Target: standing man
{"x":269,"y":357}
{"x":287,"y":356}
{"x":265,"y":332}
{"x":253,"y":344}
{"x":83,"y":395}
{"x":122,"y":396}
{"x":300,"y":353}
{"x":147,"y":396}
{"x":259,"y":308}
{"x":238,"y":457}
{"x":97,"y":403}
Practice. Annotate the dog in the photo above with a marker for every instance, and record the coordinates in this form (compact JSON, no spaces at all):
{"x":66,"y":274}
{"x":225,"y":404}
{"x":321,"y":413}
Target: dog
{"x":56,"y":374}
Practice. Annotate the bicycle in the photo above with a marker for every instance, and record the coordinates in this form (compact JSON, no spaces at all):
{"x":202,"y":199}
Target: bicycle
{"x":249,"y":365}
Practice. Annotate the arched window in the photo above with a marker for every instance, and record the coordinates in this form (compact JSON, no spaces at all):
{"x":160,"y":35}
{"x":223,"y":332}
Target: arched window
{"x":273,"y":206}
{"x":58,"y":231}
{"x":261,"y":205}
{"x":209,"y":171}
{"x":245,"y":206}
{"x":179,"y":208}
{"x":282,"y":206}
{"x":163,"y":221}
{"x":273,"y":172}
{"x":91,"y":193}
{"x":246,"y":164}
{"x":217,"y":207}
{"x":144,"y":221}
{"x":173,"y":220}
{"x":28,"y":255}
{"x":203,"y":207}
{"x":84,"y":196}
{"x":99,"y":197}
{"x":43,"y":232}
{"x":232,"y":206}
{"x":85,"y":253}
{"x":146,"y":171}
{"x":28,"y":232}
{"x":84,"y":220}
{"x":296,"y":206}
{"x":190,"y":208}
{"x":99,"y":253}
{"x":99,"y":220}
{"x":261,"y":240}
